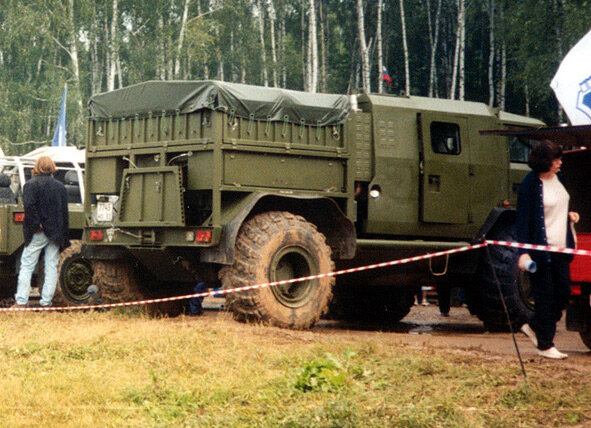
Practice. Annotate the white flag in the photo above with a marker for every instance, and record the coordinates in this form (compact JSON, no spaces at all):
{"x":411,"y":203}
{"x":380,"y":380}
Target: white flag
{"x":572,"y":82}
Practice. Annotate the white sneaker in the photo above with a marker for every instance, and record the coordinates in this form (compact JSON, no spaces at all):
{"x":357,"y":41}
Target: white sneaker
{"x":552,"y":353}
{"x":526,"y":329}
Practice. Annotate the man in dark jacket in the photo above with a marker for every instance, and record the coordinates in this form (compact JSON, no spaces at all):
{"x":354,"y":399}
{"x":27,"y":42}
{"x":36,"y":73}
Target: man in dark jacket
{"x":45,"y":228}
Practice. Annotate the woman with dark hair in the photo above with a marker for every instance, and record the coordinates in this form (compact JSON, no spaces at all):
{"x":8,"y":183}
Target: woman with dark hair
{"x":543,"y":219}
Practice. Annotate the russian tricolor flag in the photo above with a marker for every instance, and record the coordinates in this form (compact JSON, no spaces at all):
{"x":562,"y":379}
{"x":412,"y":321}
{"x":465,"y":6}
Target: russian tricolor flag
{"x":386,"y":77}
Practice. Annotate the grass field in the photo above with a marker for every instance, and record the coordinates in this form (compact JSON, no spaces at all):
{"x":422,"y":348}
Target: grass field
{"x":124,"y":369}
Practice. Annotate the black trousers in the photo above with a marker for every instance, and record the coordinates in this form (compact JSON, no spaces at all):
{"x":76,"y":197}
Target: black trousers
{"x":551,"y":291}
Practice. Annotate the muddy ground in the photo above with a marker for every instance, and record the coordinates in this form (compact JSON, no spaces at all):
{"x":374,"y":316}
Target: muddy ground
{"x":424,"y":326}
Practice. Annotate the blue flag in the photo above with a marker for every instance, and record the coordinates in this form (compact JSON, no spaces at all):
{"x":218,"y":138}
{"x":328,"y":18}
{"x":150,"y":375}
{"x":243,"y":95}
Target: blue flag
{"x":59,"y":137}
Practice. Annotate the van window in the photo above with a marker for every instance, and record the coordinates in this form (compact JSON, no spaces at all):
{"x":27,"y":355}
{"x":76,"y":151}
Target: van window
{"x":445,"y":138}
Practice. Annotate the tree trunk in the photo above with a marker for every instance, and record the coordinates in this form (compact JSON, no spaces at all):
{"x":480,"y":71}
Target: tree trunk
{"x":503,"y":81}
{"x":272,"y":21}
{"x":75,"y":71}
{"x":264,"y":74}
{"x":323,"y":49}
{"x":405,"y":49}
{"x":313,"y":47}
{"x":113,"y":47}
{"x":461,"y":64}
{"x":363,"y":51}
{"x":283,"y":59}
{"x":491,"y":52}
{"x":179,"y":48}
{"x":161,"y":64}
{"x":380,"y":47}
{"x":96,"y":75}
{"x":433,"y":42}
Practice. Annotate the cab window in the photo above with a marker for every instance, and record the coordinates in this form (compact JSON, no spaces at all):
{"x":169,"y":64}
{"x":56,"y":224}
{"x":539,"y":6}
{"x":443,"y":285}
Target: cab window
{"x":519,"y":149}
{"x":445,"y":138}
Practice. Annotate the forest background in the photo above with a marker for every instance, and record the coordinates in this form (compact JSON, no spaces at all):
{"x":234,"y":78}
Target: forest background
{"x":501,"y":52}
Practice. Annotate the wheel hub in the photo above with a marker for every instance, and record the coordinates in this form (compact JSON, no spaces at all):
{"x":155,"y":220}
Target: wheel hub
{"x":78,"y":277}
{"x":289,"y":263}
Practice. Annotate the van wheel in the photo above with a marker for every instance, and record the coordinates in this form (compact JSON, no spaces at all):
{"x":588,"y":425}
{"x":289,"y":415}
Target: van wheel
{"x":74,"y":275}
{"x":277,"y":246}
{"x":483,"y":296}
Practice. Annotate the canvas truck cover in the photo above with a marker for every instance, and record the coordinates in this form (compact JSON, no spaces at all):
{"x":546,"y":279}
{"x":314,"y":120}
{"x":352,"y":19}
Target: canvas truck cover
{"x":156,"y":97}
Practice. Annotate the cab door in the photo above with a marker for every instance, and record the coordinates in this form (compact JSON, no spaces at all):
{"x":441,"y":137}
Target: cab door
{"x":444,"y":169}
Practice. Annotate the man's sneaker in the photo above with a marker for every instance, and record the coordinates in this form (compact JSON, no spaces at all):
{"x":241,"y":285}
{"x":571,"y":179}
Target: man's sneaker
{"x":552,"y":353}
{"x":526,"y":329}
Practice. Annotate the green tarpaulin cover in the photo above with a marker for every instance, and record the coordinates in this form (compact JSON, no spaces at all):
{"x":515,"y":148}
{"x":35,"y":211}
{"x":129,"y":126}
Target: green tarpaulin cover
{"x":156,"y":97}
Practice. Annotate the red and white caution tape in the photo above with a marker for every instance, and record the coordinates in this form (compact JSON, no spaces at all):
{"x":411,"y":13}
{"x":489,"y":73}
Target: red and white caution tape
{"x":540,"y":248}
{"x":250,"y":287}
{"x":306,"y":278}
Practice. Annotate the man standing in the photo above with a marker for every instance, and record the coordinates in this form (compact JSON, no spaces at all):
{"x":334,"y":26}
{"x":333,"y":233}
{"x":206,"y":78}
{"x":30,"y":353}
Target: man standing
{"x":45,"y":227}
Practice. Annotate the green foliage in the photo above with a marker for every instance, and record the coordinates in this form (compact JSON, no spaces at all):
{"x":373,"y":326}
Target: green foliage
{"x":328,"y":374}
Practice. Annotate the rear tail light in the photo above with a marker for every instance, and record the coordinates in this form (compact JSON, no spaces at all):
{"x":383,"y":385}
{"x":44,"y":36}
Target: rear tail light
{"x":203,"y":236}
{"x":575,"y":289}
{"x":95,"y":235}
{"x":18,"y":217}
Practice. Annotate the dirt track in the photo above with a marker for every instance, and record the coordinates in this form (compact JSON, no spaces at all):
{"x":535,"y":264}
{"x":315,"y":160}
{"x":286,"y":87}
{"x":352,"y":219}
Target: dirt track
{"x":424,"y":326}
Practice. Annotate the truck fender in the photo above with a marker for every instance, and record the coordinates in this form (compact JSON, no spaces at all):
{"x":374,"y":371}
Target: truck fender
{"x":496,"y":216}
{"x":323,"y":212}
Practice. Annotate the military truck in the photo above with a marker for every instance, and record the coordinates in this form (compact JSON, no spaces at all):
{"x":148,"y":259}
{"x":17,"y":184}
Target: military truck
{"x":14,"y":173}
{"x":237,"y":185}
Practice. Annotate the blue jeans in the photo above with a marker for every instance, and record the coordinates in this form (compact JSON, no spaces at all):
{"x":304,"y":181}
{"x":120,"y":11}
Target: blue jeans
{"x":29,"y":260}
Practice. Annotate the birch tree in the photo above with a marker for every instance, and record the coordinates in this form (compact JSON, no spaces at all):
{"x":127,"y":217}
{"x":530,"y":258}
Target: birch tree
{"x":312,"y":47}
{"x":379,"y":46}
{"x":272,"y":21}
{"x":433,"y":43}
{"x":264,"y":73}
{"x":363,"y":50}
{"x":457,"y":85}
{"x":405,"y":50}
{"x":491,"y":52}
{"x":113,"y":44}
{"x":181,"y":40}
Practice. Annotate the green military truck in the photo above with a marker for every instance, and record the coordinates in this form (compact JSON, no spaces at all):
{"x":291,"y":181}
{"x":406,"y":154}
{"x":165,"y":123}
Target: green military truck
{"x":14,"y":173}
{"x":236,"y":185}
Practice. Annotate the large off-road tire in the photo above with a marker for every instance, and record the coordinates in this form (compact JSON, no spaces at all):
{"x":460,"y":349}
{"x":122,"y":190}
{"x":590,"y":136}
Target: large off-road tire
{"x":117,"y":281}
{"x":74,"y":275}
{"x":372,"y":303}
{"x":483,"y":296}
{"x":276,"y":246}
{"x":121,"y":281}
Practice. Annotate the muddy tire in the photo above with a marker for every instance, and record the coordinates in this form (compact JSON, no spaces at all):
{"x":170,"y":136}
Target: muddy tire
{"x":483,"y":296}
{"x":74,"y":275}
{"x":276,"y":246}
{"x":117,"y":281}
{"x":372,"y":303}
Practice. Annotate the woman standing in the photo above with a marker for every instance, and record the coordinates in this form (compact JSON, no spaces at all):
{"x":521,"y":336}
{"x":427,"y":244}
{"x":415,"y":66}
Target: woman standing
{"x":543,"y":219}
